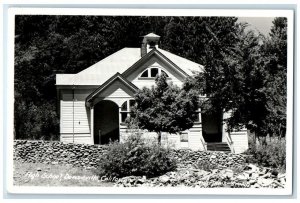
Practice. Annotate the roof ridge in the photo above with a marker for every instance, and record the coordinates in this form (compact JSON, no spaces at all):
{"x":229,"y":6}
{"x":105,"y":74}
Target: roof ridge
{"x":178,"y":56}
{"x":102,"y":60}
{"x":121,"y":61}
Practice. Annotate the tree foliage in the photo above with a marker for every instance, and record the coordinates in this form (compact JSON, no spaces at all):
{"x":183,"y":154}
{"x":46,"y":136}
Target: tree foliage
{"x":243,"y":73}
{"x":248,"y":79}
{"x":47,"y":45}
{"x":165,"y":108}
{"x":135,"y":156}
{"x":275,"y":55}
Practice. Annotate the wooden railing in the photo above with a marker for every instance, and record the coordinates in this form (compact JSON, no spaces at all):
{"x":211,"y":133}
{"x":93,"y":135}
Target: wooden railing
{"x":229,"y":142}
{"x":204,"y":144}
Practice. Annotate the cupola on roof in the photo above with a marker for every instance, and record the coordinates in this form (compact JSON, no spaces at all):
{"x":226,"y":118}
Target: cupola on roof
{"x":151,"y":39}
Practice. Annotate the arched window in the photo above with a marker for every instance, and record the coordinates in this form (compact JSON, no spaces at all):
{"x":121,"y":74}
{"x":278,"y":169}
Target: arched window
{"x":152,"y":72}
{"x":145,"y":74}
{"x":125,"y":109}
{"x":163,"y":72}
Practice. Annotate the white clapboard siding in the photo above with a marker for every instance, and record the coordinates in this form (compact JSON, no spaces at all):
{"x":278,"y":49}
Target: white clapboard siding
{"x":81,"y":117}
{"x":172,"y":140}
{"x":194,"y":138}
{"x":240,"y":141}
{"x":116,"y":90}
{"x":78,"y":138}
{"x":79,"y":94}
{"x":118,"y":93}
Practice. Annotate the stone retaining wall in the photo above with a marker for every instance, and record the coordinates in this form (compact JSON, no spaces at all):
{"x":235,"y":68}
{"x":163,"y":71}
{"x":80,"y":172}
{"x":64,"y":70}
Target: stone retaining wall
{"x":197,"y":159}
{"x":84,"y":155}
{"x":81,"y":155}
{"x":191,"y":170}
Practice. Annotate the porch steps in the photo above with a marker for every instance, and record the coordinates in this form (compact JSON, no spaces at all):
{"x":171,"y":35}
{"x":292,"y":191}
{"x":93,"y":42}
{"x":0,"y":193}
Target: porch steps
{"x":218,"y":146}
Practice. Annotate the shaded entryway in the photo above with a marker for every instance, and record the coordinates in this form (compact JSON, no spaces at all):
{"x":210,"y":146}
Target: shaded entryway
{"x":212,"y":126}
{"x":106,"y":122}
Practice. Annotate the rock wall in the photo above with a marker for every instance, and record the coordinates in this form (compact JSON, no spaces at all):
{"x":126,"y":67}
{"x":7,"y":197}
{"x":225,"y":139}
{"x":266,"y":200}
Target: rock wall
{"x":84,"y":155}
{"x":201,"y":159}
{"x":195,"y":168}
{"x":48,"y":152}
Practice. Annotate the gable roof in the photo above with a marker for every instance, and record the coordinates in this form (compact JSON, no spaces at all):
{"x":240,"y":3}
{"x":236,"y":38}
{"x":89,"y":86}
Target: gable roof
{"x":154,"y":51}
{"x":120,"y":61}
{"x":186,"y":65}
{"x":102,"y":87}
{"x":101,"y":71}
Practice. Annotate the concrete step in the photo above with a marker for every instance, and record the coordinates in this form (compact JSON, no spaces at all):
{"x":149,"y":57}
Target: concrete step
{"x":218,"y":146}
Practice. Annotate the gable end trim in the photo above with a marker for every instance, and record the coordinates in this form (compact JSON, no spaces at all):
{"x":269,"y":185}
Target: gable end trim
{"x":147,"y":56}
{"x":107,"y":83}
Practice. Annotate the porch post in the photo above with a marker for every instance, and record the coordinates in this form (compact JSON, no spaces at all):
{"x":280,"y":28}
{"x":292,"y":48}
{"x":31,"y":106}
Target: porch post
{"x":224,"y":127}
{"x":92,"y":124}
{"x":204,"y":144}
{"x":120,"y":117}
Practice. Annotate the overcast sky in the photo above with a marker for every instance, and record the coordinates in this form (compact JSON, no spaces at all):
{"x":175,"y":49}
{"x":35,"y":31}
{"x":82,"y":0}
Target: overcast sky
{"x":261,"y":24}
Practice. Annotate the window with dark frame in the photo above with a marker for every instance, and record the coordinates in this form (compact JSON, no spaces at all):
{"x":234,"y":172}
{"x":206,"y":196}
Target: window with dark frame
{"x":184,"y":137}
{"x":131,"y":103}
{"x":163,"y":72}
{"x":125,"y":109}
{"x":145,"y":74}
{"x":152,"y":73}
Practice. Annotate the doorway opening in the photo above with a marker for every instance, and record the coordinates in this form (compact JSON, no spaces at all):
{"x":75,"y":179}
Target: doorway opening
{"x":212,"y":126}
{"x":106,"y":122}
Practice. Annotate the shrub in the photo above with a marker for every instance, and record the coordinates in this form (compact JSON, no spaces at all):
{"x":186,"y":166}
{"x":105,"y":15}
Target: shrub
{"x":205,"y":165}
{"x":271,"y":155}
{"x":135,"y":157}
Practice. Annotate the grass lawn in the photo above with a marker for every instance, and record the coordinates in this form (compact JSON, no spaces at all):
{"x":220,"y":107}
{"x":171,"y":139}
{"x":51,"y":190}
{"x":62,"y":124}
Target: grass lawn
{"x":38,"y":174}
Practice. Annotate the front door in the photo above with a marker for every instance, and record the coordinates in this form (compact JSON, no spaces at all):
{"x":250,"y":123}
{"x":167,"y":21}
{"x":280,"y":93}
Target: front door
{"x":106,"y":122}
{"x":212,"y":127}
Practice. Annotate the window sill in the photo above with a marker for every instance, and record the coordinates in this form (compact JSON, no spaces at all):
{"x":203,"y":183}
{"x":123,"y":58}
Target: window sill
{"x":150,"y":78}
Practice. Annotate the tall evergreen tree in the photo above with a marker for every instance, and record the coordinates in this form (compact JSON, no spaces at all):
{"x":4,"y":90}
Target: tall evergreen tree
{"x":249,"y":80}
{"x":275,"y":57}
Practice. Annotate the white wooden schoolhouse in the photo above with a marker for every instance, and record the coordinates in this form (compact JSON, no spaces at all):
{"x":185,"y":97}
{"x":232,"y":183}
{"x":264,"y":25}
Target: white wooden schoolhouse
{"x":94,"y":103}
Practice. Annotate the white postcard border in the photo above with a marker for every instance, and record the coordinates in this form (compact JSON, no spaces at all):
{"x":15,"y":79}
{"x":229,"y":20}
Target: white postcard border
{"x":147,"y":12}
